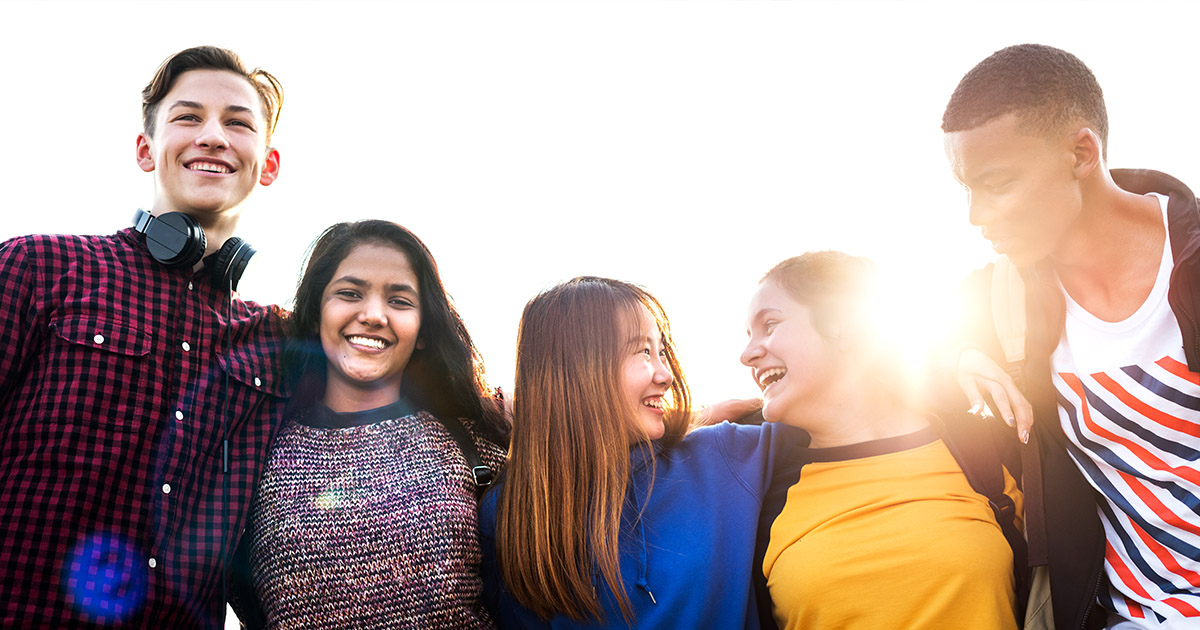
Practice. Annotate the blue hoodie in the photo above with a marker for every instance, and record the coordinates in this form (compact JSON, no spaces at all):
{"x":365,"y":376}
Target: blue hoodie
{"x":688,"y":562}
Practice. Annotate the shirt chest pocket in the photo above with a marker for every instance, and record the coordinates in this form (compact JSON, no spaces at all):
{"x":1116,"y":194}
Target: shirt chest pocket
{"x":101,"y":375}
{"x":253,"y":373}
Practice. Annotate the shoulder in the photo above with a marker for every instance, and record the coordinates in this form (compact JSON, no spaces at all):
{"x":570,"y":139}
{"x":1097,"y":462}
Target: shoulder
{"x":740,"y":441}
{"x":41,"y":248}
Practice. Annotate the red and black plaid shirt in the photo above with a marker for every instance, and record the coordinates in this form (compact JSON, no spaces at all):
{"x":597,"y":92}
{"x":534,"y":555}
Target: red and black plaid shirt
{"x":116,"y":378}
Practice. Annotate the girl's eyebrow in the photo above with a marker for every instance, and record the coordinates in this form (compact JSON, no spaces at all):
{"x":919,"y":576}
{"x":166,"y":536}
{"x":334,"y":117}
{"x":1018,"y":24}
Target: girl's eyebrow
{"x":359,"y":282}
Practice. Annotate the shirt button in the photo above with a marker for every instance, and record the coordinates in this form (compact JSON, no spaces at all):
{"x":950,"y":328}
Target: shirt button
{"x":257,"y":382}
{"x":179,"y":415}
{"x":186,"y":346}
{"x":98,"y":338}
{"x":153,"y":563}
{"x":166,"y":488}
{"x":189,"y":286}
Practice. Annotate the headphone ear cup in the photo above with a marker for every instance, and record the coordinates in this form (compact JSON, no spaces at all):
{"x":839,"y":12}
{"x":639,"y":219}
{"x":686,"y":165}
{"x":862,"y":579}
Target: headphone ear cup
{"x":230,"y":262}
{"x":176,"y":240}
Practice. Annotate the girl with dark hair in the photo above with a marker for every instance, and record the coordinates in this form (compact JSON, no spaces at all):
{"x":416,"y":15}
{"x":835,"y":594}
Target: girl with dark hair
{"x":876,"y":524}
{"x":366,"y":516}
{"x":610,"y":513}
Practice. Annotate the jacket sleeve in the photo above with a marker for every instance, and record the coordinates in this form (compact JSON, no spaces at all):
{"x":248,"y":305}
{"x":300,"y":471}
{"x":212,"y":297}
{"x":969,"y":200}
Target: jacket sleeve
{"x":500,"y":604}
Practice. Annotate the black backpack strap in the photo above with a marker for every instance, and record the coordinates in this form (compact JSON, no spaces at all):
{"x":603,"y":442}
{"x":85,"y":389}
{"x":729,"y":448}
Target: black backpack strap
{"x":972,"y":443}
{"x":479,"y":470}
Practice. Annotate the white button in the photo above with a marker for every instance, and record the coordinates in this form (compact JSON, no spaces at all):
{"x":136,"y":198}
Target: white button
{"x":189,"y":286}
{"x":166,"y":488}
{"x":257,"y":382}
{"x":153,"y":563}
{"x":179,"y":415}
{"x":186,"y":346}
{"x":98,"y":338}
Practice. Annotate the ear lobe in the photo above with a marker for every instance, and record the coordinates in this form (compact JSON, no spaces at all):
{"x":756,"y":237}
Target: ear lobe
{"x":270,"y":168}
{"x":1088,"y":152}
{"x":420,"y":343}
{"x":144,"y":154}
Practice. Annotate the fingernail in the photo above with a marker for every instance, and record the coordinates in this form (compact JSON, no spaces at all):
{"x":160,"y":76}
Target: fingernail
{"x":976,"y":408}
{"x":1009,"y":421}
{"x":1024,"y":437}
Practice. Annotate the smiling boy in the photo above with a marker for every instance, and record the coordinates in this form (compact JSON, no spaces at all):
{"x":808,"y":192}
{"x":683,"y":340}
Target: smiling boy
{"x":137,"y":393}
{"x":1112,"y":273}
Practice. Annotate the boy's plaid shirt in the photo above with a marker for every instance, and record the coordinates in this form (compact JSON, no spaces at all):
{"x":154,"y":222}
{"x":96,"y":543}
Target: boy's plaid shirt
{"x":117,"y":376}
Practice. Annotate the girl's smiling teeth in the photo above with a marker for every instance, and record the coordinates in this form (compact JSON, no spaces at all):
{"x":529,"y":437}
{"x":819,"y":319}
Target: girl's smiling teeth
{"x":767,"y":377}
{"x":370,"y":342}
{"x":654,"y":402}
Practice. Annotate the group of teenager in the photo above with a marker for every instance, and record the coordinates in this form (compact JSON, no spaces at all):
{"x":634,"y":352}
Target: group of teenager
{"x":166,"y":447}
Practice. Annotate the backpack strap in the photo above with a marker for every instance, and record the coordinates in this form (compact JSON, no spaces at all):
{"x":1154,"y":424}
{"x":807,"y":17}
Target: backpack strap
{"x":1010,"y":319}
{"x":971,"y":443}
{"x":1008,"y":312}
{"x":479,"y":470}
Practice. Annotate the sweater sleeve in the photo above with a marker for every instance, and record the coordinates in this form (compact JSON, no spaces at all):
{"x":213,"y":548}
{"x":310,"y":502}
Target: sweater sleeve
{"x":754,"y":452}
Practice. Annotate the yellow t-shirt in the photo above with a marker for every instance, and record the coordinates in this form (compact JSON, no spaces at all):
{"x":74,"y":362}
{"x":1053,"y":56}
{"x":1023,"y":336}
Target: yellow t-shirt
{"x":894,"y":540}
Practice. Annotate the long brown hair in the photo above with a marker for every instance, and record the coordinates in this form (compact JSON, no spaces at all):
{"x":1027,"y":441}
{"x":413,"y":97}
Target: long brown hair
{"x":559,"y":509}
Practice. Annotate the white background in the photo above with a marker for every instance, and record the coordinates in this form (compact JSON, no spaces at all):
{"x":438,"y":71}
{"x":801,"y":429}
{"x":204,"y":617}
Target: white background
{"x":685,"y":146}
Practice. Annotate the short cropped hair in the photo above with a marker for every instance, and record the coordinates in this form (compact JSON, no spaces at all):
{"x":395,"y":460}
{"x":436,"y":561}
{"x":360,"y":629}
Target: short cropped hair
{"x":1046,"y":88}
{"x":269,"y":90}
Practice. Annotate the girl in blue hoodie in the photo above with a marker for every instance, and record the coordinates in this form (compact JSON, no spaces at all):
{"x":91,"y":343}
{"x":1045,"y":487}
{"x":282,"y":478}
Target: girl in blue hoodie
{"x":610,"y":513}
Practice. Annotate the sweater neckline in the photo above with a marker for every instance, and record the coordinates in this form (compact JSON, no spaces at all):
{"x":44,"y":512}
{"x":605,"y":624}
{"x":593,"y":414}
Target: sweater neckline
{"x":322,"y":417}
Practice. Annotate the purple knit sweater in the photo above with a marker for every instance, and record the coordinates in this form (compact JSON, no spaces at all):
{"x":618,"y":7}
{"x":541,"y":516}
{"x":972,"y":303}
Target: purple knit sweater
{"x":368,"y":520}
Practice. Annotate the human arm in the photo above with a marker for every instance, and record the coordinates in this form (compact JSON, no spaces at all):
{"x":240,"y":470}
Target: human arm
{"x":16,"y":284}
{"x":737,"y":410}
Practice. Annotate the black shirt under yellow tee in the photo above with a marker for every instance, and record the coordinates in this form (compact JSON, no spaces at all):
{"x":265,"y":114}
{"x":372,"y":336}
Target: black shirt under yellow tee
{"x":889,"y":534}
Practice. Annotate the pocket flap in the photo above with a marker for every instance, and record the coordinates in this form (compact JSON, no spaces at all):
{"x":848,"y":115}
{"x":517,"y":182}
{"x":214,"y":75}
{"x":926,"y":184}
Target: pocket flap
{"x":103,"y":334}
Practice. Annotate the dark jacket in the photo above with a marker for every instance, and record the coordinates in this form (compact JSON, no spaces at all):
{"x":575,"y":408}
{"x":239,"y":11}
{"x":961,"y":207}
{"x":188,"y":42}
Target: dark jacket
{"x":1063,"y":526}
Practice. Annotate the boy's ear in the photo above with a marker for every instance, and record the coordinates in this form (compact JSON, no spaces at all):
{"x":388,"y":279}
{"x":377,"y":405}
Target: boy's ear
{"x":145,"y":155}
{"x":270,"y":168}
{"x":1088,"y":152}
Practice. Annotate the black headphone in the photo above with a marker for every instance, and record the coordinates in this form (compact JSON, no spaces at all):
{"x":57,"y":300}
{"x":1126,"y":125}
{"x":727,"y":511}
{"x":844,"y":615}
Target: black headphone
{"x":177,"y":240}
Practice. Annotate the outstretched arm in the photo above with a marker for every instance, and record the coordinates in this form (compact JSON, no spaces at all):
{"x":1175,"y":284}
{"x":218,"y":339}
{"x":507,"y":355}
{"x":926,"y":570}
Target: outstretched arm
{"x":733,"y":410}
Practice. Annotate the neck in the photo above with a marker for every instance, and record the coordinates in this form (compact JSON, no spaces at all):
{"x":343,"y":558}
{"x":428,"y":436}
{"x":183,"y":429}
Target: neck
{"x":858,"y":418}
{"x":1114,"y":227}
{"x":1109,"y":259}
{"x":346,"y":400}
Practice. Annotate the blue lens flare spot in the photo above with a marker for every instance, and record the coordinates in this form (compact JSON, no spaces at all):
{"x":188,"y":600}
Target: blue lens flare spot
{"x":105,"y":578}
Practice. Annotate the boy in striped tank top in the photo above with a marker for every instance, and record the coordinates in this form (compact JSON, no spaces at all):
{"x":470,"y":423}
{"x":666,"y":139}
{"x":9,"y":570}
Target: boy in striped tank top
{"x":1112,"y":285}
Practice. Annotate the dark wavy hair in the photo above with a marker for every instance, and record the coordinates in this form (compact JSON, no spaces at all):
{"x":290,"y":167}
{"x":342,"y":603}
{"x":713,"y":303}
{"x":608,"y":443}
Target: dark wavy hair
{"x":445,"y":378}
{"x":1045,"y":87}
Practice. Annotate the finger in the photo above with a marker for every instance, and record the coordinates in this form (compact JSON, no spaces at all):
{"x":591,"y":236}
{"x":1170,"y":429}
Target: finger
{"x":1000,"y":399}
{"x":1024,"y":415}
{"x":967,"y":384}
